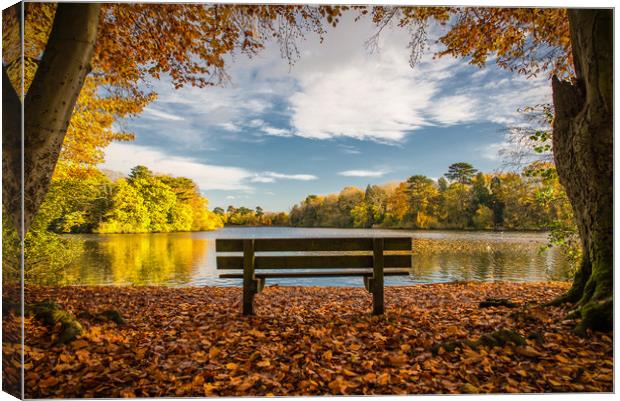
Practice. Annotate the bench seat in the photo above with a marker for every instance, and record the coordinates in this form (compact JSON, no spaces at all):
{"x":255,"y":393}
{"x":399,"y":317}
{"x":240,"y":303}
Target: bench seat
{"x":324,"y":273}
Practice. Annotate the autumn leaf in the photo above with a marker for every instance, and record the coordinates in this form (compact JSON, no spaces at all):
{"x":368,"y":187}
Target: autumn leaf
{"x":383,"y":379}
{"x":369,"y":377}
{"x":247,"y":383}
{"x":213,"y":352}
{"x":528,"y":352}
{"x":78,"y":344}
{"x":128,"y":393}
{"x":208,"y":389}
{"x":49,"y":382}
{"x":198,"y":380}
{"x":398,"y":360}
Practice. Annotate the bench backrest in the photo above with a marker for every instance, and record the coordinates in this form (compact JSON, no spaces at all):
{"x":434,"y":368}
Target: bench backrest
{"x":375,"y":245}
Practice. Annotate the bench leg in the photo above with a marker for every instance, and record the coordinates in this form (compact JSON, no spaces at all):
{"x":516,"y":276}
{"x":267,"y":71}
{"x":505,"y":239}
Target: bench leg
{"x":377,"y":277}
{"x":259,"y":284}
{"x":377,"y":300}
{"x":368,"y":284}
{"x":248,"y":297}
{"x":256,"y":286}
{"x":249,"y":283}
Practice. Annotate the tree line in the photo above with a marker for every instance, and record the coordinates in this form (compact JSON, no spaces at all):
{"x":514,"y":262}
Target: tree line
{"x":463,"y":199}
{"x":243,"y":216}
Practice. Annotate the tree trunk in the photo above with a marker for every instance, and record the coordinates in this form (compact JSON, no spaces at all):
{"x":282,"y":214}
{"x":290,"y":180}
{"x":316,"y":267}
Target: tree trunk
{"x":49,"y":103}
{"x":583,"y":151}
{"x":11,"y":150}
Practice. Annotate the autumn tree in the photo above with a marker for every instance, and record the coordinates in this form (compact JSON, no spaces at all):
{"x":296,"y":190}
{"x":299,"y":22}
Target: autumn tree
{"x":75,"y":41}
{"x":575,"y":48}
{"x":348,"y":198}
{"x":422,"y":201}
{"x":461,"y":172}
{"x":397,"y":205}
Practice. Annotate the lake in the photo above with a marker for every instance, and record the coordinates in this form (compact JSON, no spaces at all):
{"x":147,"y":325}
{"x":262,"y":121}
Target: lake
{"x":188,"y":259}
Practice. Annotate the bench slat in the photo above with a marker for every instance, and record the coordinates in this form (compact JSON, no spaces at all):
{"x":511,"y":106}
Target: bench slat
{"x":313,"y":244}
{"x":312,"y":262}
{"x":325,"y":273}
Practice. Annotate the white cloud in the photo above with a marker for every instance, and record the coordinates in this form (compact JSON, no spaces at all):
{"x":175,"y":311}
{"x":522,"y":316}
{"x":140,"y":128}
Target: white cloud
{"x":480,"y":73}
{"x":345,"y":92}
{"x":450,"y":110}
{"x":230,"y":127}
{"x":277,"y":131}
{"x":161,"y":115}
{"x":491,"y":152}
{"x":270,"y":176}
{"x":255,"y":123}
{"x":337,"y":89}
{"x":123,"y":157}
{"x":352,"y":150}
{"x":362,"y":173}
{"x":263,"y":180}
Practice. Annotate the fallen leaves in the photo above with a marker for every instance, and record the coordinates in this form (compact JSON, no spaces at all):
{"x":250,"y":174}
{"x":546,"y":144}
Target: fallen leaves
{"x":308,"y":341}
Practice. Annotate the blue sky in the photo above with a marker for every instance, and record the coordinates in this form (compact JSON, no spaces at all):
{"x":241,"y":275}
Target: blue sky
{"x":340,"y":116}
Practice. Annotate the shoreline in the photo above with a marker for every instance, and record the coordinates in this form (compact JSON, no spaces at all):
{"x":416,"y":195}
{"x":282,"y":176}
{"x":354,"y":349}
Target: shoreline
{"x":193,"y":341}
{"x":396,"y":229}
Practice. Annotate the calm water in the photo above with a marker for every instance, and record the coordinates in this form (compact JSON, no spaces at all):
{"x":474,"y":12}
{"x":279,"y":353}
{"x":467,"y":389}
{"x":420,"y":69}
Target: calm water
{"x":188,"y":259}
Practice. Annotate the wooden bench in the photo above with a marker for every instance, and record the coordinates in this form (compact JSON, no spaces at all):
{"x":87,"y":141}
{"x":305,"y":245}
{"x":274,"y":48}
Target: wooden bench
{"x":371,"y":267}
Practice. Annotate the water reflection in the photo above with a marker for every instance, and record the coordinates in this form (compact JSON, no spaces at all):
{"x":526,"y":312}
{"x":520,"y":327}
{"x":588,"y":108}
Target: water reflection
{"x":140,"y":259}
{"x":182,"y":259}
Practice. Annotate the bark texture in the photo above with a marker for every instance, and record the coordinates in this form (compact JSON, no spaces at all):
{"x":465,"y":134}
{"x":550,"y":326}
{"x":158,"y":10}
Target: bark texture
{"x":583,"y":151}
{"x":11,"y":150}
{"x":52,"y":95}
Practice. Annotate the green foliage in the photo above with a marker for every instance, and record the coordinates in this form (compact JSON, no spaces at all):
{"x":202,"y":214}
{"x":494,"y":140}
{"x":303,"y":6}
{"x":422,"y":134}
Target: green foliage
{"x":140,"y":173}
{"x":128,"y":213}
{"x":46,"y":254}
{"x":457,"y":205}
{"x":461,"y":172}
{"x":244,"y":216}
{"x":159,"y":200}
{"x":144,"y":202}
{"x":423,"y":200}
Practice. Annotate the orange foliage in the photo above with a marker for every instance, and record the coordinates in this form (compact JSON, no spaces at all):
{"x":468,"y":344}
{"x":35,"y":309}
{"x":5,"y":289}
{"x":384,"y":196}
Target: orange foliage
{"x":309,"y":340}
{"x":526,"y":40}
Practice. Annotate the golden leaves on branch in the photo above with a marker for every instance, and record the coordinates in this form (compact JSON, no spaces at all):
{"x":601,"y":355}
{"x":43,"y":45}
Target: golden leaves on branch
{"x":525,"y":40}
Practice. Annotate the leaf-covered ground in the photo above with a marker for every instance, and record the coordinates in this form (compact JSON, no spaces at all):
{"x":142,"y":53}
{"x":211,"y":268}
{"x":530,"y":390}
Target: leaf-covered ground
{"x":310,"y":340}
